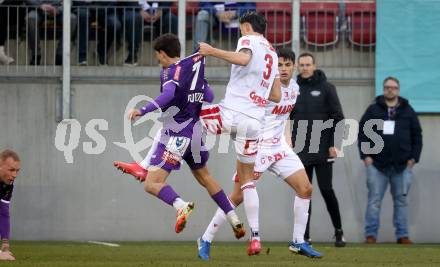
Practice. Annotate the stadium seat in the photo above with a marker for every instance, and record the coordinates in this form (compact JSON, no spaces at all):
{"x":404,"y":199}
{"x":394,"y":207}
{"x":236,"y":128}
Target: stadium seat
{"x":361,"y":20}
{"x":320,"y":23}
{"x":279,"y":22}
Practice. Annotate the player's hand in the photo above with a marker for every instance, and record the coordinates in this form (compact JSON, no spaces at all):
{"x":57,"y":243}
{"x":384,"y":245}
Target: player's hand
{"x":205,"y":49}
{"x":368,"y":161}
{"x":332,"y":152}
{"x":132,"y":114}
{"x":6,"y":256}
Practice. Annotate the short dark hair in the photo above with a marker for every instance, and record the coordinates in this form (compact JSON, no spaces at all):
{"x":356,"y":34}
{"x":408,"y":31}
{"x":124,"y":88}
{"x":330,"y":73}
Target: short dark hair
{"x":392,"y":79}
{"x":5,"y":154}
{"x":257,"y":21}
{"x":307,"y":54}
{"x":169,"y":43}
{"x":286,"y":53}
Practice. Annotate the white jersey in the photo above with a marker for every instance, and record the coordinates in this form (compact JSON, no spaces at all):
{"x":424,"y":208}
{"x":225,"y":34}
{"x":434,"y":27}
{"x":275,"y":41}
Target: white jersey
{"x":276,"y":117}
{"x":249,"y":86}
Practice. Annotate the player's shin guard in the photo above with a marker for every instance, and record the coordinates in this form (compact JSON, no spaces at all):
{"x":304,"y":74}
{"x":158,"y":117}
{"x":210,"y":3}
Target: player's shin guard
{"x":251,"y":206}
{"x":301,"y":215}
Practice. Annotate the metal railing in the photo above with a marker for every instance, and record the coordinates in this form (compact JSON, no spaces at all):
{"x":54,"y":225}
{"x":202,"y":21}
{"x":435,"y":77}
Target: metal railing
{"x":339,"y":33}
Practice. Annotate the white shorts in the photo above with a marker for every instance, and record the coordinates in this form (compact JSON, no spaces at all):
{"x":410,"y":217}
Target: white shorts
{"x":244,"y":130}
{"x":281,"y":161}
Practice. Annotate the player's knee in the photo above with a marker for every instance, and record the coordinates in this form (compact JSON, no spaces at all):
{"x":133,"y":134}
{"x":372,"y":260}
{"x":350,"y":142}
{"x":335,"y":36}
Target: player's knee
{"x":305,"y":191}
{"x":236,"y":199}
{"x":148,"y":186}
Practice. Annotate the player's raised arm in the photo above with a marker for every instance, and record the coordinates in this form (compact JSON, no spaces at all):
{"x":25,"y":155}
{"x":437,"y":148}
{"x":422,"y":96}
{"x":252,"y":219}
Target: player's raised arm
{"x":161,"y":101}
{"x":241,"y":57}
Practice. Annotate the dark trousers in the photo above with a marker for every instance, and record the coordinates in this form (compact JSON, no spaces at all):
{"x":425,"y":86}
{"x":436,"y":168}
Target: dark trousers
{"x":110,"y":27}
{"x":324,"y":175}
{"x":8,"y":19}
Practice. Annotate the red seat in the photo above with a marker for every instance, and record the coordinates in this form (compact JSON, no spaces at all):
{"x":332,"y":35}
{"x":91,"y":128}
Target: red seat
{"x":361,"y":18}
{"x":279,"y":22}
{"x":192,"y":8}
{"x":320,"y":23}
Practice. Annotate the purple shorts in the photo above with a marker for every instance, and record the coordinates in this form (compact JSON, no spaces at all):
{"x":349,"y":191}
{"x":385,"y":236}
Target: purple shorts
{"x":168,"y":155}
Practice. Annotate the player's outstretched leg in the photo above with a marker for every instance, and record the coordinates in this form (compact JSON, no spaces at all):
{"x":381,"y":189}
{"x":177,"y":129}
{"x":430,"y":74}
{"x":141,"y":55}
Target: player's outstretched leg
{"x":218,"y":195}
{"x":204,"y":243}
{"x":301,"y":184}
{"x":132,"y":168}
{"x":155,"y":185}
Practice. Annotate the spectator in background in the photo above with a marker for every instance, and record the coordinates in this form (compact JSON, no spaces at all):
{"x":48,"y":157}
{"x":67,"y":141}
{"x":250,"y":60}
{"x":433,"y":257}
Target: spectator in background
{"x":227,"y":13}
{"x":9,"y":168}
{"x":40,"y":11}
{"x":158,"y":15}
{"x":108,"y":27}
{"x":8,"y":18}
{"x":131,"y":17}
{"x":402,"y":136}
{"x":318,"y":101}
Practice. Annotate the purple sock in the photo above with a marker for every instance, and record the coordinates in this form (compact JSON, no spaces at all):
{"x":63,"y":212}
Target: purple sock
{"x":222,"y":201}
{"x":167,"y":195}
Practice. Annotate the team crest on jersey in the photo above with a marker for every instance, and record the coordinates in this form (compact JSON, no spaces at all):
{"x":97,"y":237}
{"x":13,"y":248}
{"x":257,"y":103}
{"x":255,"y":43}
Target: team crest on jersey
{"x":245,"y":42}
{"x":178,"y":145}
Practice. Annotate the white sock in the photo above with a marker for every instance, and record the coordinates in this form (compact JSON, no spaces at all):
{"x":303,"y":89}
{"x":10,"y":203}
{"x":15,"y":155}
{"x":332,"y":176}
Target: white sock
{"x":216,"y":221}
{"x":300,"y":217}
{"x":251,"y":207}
{"x":179,"y":203}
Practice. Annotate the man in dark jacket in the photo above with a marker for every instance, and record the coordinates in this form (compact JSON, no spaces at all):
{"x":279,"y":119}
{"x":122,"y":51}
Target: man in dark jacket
{"x":315,"y":116}
{"x":402,"y":144}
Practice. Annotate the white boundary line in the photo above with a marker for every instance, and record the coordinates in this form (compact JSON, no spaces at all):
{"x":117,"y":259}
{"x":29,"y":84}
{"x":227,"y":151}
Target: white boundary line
{"x":104,"y":243}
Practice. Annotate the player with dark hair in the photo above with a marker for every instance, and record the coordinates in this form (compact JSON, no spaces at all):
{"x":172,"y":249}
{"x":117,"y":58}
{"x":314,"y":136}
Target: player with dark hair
{"x":253,"y":82}
{"x":9,"y":168}
{"x":183,"y":90}
{"x":275,"y":154}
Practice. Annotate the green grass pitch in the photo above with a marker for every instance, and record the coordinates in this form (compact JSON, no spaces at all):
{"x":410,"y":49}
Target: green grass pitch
{"x":165,"y":254}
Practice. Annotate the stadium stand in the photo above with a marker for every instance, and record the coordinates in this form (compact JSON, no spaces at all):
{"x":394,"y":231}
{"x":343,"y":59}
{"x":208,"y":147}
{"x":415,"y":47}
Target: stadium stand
{"x":361,"y":18}
{"x":320,"y":23}
{"x":279,"y":22}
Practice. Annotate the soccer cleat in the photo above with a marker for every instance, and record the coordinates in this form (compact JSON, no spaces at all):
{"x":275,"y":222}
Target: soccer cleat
{"x":239,"y":230}
{"x":304,"y":249}
{"x":237,"y":225}
{"x":133,"y":169}
{"x":204,"y":248}
{"x":182,"y":216}
{"x":254,"y":247}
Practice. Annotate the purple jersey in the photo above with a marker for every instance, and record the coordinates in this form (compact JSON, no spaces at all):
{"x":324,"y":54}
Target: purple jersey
{"x":182,"y":113}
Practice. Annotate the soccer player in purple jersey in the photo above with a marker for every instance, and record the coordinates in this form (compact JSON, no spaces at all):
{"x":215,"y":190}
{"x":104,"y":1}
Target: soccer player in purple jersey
{"x":183,"y":90}
{"x":9,"y":168}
